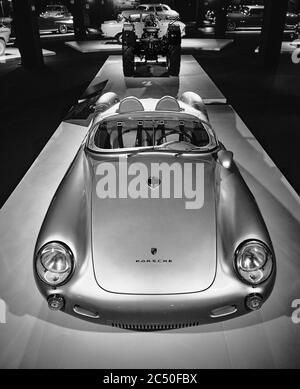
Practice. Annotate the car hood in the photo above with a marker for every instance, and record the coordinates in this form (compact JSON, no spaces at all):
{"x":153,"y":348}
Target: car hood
{"x":155,"y":245}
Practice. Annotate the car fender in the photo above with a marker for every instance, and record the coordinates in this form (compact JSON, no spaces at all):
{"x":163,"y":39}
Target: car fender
{"x":68,"y":216}
{"x":238,"y":216}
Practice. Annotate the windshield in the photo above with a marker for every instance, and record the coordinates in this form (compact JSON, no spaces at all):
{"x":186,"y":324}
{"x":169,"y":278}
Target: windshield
{"x":159,"y":133}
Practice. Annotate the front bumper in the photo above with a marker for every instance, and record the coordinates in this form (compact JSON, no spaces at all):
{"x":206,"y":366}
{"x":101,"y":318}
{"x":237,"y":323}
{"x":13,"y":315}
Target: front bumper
{"x":225,"y":299}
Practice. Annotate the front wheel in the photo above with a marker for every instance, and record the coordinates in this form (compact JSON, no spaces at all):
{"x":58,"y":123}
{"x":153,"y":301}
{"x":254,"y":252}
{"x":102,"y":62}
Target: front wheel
{"x":231,"y":26}
{"x":62,"y":29}
{"x":173,"y":59}
{"x":2,"y":47}
{"x":128,"y":61}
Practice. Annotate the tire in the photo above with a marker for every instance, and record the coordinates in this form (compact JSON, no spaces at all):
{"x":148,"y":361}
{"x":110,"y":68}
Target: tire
{"x":293,"y":36}
{"x":62,"y":29}
{"x":128,"y":61}
{"x":118,"y":38}
{"x":2,"y":47}
{"x":231,"y":26}
{"x":173,"y":60}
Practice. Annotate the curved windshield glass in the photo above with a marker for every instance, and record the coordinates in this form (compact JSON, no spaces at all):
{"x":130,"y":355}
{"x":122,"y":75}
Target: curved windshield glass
{"x":188,"y":134}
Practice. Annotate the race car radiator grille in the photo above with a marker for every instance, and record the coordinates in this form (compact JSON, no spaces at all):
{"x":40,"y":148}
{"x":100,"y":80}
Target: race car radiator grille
{"x":153,"y":327}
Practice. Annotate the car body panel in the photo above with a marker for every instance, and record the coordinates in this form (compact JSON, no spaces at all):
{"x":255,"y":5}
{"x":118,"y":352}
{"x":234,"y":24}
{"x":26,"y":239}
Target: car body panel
{"x":179,"y":236}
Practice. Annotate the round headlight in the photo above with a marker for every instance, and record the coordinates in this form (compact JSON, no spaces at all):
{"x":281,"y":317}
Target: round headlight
{"x":54,"y":263}
{"x":253,"y":262}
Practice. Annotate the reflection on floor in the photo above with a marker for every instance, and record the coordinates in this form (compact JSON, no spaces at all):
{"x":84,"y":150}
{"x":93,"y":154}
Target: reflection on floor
{"x":114,"y":47}
{"x":35,"y":337}
{"x":12,"y":53}
{"x":287,"y":47}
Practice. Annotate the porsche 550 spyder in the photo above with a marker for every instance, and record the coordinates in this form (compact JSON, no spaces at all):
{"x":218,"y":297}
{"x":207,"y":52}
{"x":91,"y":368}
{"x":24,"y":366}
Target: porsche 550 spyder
{"x":153,"y":226}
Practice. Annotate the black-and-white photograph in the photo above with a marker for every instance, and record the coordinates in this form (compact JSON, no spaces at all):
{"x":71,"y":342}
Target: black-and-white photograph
{"x":149,"y":203}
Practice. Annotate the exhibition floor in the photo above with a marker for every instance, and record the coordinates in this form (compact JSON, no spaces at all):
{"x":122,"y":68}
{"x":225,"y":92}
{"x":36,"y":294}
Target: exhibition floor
{"x":13,"y":53}
{"x":34,"y":337}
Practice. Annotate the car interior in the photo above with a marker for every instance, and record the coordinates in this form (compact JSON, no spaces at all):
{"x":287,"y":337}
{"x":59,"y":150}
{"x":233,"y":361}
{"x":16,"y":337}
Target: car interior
{"x":142,"y":130}
{"x":113,"y":134}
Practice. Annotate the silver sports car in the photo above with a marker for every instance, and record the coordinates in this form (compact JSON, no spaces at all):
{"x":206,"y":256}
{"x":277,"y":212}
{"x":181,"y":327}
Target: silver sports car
{"x":153,"y":226}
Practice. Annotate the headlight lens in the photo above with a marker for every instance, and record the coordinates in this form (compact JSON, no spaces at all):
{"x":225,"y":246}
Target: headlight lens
{"x":253,"y":262}
{"x":54,"y":263}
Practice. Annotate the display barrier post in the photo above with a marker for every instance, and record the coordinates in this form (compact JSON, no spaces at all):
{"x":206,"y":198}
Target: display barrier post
{"x":26,"y":29}
{"x":272,"y":32}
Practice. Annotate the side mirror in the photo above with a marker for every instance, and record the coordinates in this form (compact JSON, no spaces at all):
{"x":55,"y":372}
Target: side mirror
{"x":225,"y":158}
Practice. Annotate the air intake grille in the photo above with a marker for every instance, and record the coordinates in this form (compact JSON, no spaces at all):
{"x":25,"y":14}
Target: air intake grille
{"x":153,"y":327}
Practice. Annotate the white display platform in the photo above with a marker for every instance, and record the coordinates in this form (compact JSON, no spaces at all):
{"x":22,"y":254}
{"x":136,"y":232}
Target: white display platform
{"x":35,"y":337}
{"x":113,"y":47}
{"x":151,"y":80}
{"x":12,"y":53}
{"x":205,"y":44}
{"x":287,"y":47}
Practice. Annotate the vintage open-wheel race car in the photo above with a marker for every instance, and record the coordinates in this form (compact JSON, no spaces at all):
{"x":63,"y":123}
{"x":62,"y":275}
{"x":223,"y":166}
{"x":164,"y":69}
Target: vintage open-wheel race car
{"x":148,"y":38}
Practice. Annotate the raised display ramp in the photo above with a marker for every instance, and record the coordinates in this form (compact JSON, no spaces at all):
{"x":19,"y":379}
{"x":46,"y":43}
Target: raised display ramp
{"x":35,"y":337}
{"x":188,"y":44}
{"x":152,"y":80}
{"x":13,"y":53}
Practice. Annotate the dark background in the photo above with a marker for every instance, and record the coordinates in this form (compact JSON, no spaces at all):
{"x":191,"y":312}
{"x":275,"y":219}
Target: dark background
{"x":100,"y":10}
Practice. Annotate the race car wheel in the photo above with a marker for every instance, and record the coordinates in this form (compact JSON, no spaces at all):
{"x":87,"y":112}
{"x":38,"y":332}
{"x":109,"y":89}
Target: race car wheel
{"x":173,"y":59}
{"x":2,"y":47}
{"x":119,"y":39}
{"x":128,"y":61}
{"x":231,"y":26}
{"x":62,"y":29}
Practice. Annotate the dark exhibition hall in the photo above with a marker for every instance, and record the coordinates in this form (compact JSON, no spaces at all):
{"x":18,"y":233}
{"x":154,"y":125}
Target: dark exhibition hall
{"x":149,"y":203}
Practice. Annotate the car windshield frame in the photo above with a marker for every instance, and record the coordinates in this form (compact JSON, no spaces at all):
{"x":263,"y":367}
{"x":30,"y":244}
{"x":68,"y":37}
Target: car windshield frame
{"x":150,"y":116}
